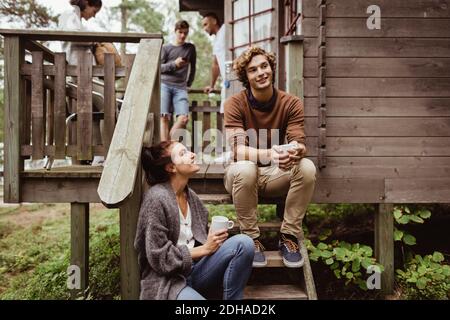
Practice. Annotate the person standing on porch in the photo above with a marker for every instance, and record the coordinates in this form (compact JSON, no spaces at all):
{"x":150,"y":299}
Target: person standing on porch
{"x":212,"y":25}
{"x":263,"y":167}
{"x":178,"y":63}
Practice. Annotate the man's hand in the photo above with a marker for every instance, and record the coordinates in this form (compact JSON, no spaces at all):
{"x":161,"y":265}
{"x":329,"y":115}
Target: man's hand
{"x":287,"y":159}
{"x":280,"y":158}
{"x":298,"y":152}
{"x":208,"y":89}
{"x":180,"y":62}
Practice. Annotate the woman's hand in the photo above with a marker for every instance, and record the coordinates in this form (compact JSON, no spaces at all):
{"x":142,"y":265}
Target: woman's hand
{"x":215,"y":240}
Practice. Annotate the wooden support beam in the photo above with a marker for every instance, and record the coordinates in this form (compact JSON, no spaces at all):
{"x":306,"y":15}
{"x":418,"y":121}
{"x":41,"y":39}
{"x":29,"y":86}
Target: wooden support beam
{"x":15,"y":110}
{"x":79,"y":245}
{"x":384,"y":245}
{"x":129,"y":267}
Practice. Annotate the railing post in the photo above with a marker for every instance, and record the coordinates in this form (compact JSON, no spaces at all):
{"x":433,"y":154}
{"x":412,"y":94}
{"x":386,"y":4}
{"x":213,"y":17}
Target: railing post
{"x":384,"y":245}
{"x":14,"y":117}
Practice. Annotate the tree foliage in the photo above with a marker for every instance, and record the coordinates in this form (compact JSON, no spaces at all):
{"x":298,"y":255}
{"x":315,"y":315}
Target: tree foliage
{"x":141,"y":16}
{"x":27,"y":12}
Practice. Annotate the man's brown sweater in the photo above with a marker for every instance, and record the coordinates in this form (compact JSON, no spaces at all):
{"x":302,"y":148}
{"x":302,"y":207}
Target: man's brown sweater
{"x":286,"y":115}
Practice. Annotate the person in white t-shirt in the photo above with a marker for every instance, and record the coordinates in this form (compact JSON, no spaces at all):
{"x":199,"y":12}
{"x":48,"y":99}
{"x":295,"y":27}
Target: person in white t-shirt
{"x":70,"y":20}
{"x":212,"y":25}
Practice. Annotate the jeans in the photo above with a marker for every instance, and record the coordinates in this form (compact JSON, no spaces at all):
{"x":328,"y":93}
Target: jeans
{"x":230,"y":266}
{"x":174,"y":100}
{"x":244,"y":180}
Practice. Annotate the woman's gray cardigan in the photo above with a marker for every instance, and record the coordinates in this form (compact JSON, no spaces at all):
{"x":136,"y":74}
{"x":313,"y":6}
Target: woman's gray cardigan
{"x":164,"y":265}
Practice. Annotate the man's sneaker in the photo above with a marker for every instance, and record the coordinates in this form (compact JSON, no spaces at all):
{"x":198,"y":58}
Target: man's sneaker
{"x":98,"y":161}
{"x":259,"y":259}
{"x":290,"y":251}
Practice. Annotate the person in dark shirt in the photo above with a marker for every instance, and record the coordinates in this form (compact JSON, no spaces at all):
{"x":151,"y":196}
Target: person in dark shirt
{"x":178,"y":63}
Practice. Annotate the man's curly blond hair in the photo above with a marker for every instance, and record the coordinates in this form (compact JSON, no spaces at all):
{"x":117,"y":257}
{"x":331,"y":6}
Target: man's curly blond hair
{"x":241,"y":62}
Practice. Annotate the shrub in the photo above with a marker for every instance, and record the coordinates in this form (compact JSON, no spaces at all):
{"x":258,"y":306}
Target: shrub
{"x":425,"y":277}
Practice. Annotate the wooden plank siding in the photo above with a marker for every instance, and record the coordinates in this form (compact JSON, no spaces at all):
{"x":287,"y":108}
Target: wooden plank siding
{"x":387,"y":94}
{"x":390,"y":8}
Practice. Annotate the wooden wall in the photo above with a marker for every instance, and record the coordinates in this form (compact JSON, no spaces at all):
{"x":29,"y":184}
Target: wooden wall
{"x":387,"y":94}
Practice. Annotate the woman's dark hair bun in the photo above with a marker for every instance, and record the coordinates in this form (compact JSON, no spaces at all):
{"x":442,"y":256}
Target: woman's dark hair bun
{"x":154,"y":160}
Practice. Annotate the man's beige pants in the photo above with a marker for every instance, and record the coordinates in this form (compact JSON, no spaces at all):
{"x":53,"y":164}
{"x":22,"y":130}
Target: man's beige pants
{"x":244,"y":180}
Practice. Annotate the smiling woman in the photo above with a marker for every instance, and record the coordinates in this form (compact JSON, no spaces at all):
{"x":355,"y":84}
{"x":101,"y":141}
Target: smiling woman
{"x":178,"y":258}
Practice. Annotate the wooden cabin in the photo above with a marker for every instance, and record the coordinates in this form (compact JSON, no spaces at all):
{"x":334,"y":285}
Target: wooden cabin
{"x":377,"y":115}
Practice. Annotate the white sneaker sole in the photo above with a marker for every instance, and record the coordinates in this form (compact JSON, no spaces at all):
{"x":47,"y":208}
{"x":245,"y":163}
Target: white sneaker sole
{"x":259,"y":264}
{"x":294,"y":264}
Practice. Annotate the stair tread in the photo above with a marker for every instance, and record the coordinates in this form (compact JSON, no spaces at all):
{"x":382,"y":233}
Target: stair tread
{"x":263,"y":227}
{"x":275,"y":292}
{"x":225,"y":198}
{"x":274,"y":259}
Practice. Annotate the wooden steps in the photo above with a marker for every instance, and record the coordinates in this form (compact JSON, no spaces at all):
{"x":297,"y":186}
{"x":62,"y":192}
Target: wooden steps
{"x":225,"y":198}
{"x":275,"y":292}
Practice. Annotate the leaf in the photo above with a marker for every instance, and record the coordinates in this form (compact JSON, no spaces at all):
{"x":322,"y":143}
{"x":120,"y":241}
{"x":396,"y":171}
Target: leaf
{"x":422,"y":283}
{"x":409,"y":239}
{"x":349,"y":275}
{"x":337,"y":273}
{"x":339,"y":252}
{"x":425,"y":214}
{"x":329,"y":261}
{"x":334,"y":265}
{"x":438,"y":257}
{"x":403,"y":220}
{"x":422,"y":270}
{"x":322,"y":246}
{"x":367,"y":250}
{"x":326,"y":254}
{"x":397,"y":214}
{"x":356,"y":265}
{"x":416,"y":219}
{"x":325,"y":234}
{"x":407,"y":210}
{"x":366,"y":263}
{"x":398,"y":235}
{"x":438,"y":277}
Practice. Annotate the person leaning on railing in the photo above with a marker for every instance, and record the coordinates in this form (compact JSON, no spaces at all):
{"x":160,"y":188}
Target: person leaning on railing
{"x":71,"y":20}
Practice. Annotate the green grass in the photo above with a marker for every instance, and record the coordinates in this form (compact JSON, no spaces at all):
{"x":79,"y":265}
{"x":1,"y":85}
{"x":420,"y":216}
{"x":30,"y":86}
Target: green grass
{"x":34,"y":259}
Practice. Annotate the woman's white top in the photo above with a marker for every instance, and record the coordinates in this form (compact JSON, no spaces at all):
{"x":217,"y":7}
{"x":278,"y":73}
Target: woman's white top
{"x":70,"y":20}
{"x":186,"y":237}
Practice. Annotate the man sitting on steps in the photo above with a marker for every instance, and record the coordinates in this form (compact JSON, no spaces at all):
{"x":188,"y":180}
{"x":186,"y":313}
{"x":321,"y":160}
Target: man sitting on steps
{"x":273,"y":171}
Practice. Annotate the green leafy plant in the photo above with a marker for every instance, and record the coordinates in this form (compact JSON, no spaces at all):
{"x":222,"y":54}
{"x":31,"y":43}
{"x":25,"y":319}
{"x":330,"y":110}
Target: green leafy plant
{"x":403,"y":215}
{"x":426,"y":277}
{"x":348,"y":261}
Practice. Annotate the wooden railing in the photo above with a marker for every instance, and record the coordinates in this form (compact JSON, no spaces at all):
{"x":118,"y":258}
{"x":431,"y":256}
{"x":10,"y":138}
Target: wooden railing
{"x":204,"y":120}
{"x":38,"y":99}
